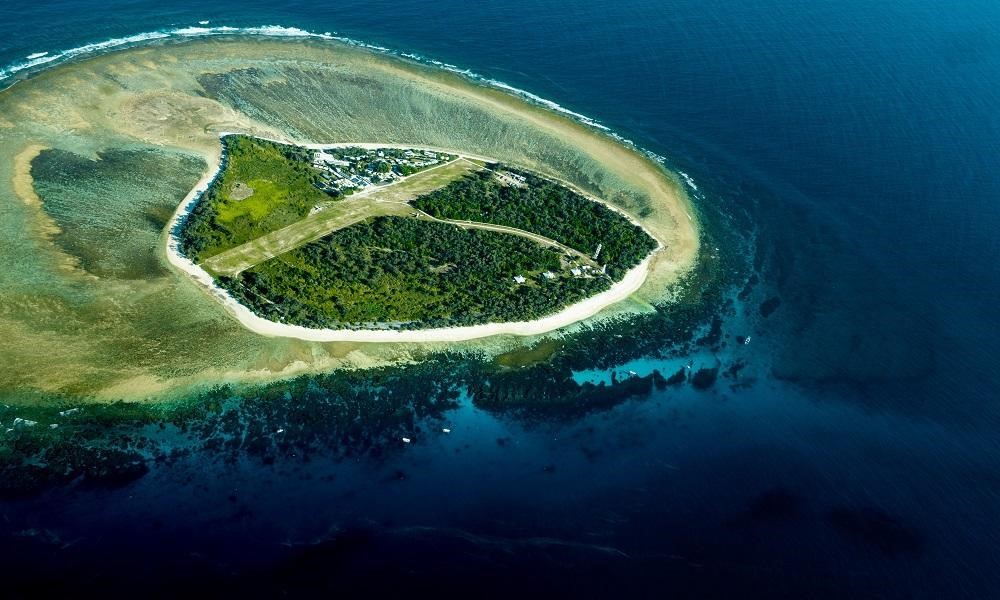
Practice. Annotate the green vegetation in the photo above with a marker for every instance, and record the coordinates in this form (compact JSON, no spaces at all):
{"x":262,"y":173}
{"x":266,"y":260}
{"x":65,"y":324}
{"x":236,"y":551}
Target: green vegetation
{"x":455,"y":243}
{"x":526,"y":201}
{"x":263,"y":186}
{"x":527,"y":357}
{"x":382,"y":201}
{"x":407,"y":273}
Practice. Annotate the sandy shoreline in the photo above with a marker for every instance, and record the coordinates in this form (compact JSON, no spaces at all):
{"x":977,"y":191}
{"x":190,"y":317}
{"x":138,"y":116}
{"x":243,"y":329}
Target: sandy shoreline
{"x":574,"y":313}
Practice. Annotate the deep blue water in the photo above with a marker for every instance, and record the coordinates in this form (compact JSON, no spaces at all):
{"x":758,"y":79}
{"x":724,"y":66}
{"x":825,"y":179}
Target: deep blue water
{"x":863,"y":140}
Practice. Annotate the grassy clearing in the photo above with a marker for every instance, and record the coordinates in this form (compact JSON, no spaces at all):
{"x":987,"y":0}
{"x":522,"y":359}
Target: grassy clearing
{"x":264,"y":186}
{"x":390,"y":200}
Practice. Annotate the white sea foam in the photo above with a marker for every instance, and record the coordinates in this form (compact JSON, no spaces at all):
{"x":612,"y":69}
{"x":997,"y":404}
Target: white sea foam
{"x":41,"y":58}
{"x":688,"y":179}
{"x":545,"y":102}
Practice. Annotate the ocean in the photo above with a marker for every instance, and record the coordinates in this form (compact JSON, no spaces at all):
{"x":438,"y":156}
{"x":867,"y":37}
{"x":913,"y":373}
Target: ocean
{"x":854,"y":451}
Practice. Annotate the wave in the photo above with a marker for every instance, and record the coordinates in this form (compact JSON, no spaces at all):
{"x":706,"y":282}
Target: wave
{"x":40,"y":59}
{"x":688,"y":180}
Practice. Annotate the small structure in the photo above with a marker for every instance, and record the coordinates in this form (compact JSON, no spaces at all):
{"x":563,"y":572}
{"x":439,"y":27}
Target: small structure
{"x":519,"y":279}
{"x":323,"y":157}
{"x":549,"y":275}
{"x":576,"y":272}
{"x":510,"y":179}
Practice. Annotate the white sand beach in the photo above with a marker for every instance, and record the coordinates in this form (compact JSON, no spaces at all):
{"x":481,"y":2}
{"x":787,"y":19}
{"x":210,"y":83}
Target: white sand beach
{"x":574,"y":313}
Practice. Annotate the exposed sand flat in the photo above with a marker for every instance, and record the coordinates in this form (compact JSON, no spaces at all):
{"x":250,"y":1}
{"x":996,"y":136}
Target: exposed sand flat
{"x":22,"y":181}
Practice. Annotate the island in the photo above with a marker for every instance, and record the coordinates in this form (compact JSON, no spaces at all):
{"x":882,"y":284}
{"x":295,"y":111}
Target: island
{"x":345,"y":240}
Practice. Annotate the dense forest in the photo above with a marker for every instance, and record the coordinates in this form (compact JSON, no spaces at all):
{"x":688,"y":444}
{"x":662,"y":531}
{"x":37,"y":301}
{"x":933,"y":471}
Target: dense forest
{"x":545,"y":207}
{"x":263,"y":186}
{"x":405,"y":273}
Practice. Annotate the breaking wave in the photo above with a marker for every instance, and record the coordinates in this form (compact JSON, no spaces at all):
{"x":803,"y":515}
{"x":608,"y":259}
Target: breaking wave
{"x":39,"y":60}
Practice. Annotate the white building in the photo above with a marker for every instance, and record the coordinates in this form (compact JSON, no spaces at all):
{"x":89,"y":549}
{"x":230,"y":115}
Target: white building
{"x":329,"y":159}
{"x":519,"y":279}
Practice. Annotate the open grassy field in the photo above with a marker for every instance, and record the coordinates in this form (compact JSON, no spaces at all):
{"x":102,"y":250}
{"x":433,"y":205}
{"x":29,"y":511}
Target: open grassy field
{"x":263,"y":187}
{"x":390,"y":200}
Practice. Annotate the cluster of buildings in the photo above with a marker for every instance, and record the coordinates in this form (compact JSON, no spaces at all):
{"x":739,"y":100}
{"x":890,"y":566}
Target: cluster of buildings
{"x":581,"y":271}
{"x":347,"y":170}
{"x":509,"y":178}
{"x":588,"y":271}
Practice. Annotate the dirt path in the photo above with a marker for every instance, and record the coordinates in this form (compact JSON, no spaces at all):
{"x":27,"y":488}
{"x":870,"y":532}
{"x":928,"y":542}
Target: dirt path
{"x":539,"y":239}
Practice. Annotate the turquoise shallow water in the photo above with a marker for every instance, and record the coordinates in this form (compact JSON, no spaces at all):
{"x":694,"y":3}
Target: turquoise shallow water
{"x":853,"y":453}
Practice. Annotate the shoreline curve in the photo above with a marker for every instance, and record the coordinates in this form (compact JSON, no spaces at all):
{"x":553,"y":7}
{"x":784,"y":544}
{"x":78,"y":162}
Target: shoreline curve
{"x":569,"y":315}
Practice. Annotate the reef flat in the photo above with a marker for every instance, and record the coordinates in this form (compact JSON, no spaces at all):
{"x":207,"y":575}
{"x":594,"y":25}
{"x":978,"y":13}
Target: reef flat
{"x":96,"y":155}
